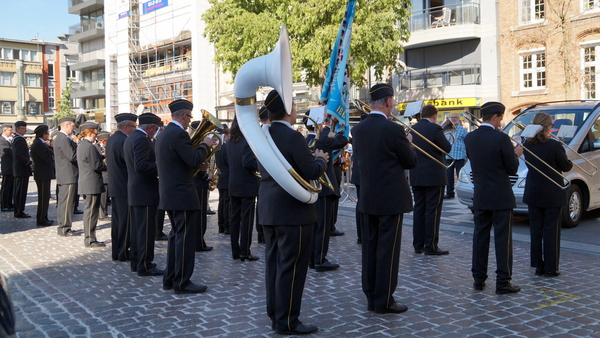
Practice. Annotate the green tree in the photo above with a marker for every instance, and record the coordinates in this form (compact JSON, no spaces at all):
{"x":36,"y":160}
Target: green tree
{"x":242,"y":30}
{"x":65,"y":106}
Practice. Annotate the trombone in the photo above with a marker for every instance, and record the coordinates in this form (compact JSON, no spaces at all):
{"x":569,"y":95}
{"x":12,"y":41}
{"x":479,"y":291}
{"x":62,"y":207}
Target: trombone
{"x":477,"y":122}
{"x":448,"y":129}
{"x":522,"y":126}
{"x":408,"y":129}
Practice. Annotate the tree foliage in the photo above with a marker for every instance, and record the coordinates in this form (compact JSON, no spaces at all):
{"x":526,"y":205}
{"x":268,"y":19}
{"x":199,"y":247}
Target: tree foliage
{"x":65,"y":106}
{"x":242,"y":30}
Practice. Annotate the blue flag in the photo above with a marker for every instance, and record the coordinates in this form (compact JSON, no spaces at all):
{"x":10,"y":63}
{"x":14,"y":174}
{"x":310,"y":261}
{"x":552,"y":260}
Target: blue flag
{"x":336,"y":88}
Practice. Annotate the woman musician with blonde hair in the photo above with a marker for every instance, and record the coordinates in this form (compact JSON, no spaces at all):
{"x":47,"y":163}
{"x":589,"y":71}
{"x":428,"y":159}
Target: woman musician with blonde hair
{"x":544,"y":199}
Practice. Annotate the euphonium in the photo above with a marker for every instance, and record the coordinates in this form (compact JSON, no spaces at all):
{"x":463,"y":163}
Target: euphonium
{"x":208,"y":124}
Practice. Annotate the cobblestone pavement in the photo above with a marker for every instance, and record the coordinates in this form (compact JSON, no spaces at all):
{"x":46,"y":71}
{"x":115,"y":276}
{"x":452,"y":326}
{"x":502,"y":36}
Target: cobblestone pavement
{"x":62,"y":289}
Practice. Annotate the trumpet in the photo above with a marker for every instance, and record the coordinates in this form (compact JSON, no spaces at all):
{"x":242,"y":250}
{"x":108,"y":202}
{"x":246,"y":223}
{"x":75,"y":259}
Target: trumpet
{"x":324,"y":179}
{"x":408,"y":129}
{"x":448,"y":127}
{"x":522,"y":126}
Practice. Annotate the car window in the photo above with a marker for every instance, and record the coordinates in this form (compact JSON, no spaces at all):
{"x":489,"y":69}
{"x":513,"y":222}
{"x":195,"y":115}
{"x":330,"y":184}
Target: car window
{"x":560,"y":117}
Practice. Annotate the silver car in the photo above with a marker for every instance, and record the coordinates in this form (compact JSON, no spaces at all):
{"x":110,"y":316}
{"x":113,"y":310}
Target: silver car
{"x":584,"y":191}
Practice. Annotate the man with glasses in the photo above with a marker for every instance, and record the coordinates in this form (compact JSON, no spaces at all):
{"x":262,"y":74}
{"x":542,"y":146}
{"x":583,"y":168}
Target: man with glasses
{"x":117,"y":181}
{"x":21,"y":168}
{"x":176,"y":161}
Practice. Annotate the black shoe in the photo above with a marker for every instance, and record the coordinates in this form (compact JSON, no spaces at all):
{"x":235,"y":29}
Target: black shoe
{"x":395,"y":308}
{"x":45,"y":223}
{"x":152,"y":272}
{"x":539,"y":271}
{"x":479,"y":286}
{"x":8,"y":209}
{"x":438,"y":252}
{"x":326,"y":266}
{"x":449,"y":196}
{"x":162,"y":237}
{"x":168,"y":287}
{"x":77,"y":212}
{"x":236,"y":257}
{"x":96,"y":245}
{"x":261,"y":239}
{"x":23,"y":216}
{"x":206,"y":248}
{"x":210,"y":212}
{"x":192,"y":288}
{"x":299,"y":330}
{"x":336,"y":233}
{"x":227,"y":232}
{"x":249,"y":258}
{"x":419,"y":251}
{"x":551,"y":273}
{"x":70,"y":233}
{"x":509,"y":288}
{"x":221,"y":230}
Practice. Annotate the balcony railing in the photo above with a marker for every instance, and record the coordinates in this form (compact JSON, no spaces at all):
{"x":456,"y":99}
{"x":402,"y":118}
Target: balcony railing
{"x":75,"y":2}
{"x":450,"y":15}
{"x":86,"y":25}
{"x":454,"y":75}
{"x":90,"y":56}
{"x":89,"y":85}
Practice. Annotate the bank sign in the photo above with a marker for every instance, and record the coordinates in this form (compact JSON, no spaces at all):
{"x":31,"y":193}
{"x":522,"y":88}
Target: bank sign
{"x":449,"y":103}
{"x":153,"y":5}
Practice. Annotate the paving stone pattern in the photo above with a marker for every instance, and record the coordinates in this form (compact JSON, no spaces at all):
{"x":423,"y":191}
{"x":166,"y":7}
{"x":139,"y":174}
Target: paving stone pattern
{"x":62,"y":289}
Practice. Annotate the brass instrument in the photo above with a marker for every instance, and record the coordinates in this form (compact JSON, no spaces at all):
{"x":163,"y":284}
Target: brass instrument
{"x":522,"y":126}
{"x":408,"y":129}
{"x":323,"y":179}
{"x":448,"y":128}
{"x":213,"y":171}
{"x":208,"y":125}
{"x":477,"y":122}
{"x":345,"y":156}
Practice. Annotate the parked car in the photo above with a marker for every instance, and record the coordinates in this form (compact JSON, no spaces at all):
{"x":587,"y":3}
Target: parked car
{"x":584,"y":192}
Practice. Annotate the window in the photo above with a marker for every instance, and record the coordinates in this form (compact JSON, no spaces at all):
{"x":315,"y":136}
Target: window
{"x":532,"y":11}
{"x":7,"y":53}
{"x":33,"y":108}
{"x":7,"y":79}
{"x":70,"y":73}
{"x":50,"y":97}
{"x":33,"y":80}
{"x":34,"y":56}
{"x":25,"y":55}
{"x":50,"y":71}
{"x":591,"y":5}
{"x":7,"y":107}
{"x":591,"y":66}
{"x":533,"y":70}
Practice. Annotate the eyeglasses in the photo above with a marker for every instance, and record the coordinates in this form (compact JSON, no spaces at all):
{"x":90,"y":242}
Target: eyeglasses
{"x":189,"y":115}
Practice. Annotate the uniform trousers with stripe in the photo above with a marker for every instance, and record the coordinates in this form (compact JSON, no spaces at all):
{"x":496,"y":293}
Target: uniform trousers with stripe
{"x":201,"y":218}
{"x":7,"y":191}
{"x":43,"y":188}
{"x":64,"y":206}
{"x":544,"y":225}
{"x":360,"y":217}
{"x":119,"y":229}
{"x":20,"y":194}
{"x":501,"y":220}
{"x":90,"y":217}
{"x":223,"y":210}
{"x":160,"y":222}
{"x":180,"y":251}
{"x":325,"y":208}
{"x":287,"y":253}
{"x":381,"y":238}
{"x":241,"y":225}
{"x":426,"y":217}
{"x":143,"y":229}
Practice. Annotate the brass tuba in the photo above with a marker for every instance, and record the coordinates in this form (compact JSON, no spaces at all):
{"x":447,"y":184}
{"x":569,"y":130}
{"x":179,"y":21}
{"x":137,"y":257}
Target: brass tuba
{"x":208,"y":125}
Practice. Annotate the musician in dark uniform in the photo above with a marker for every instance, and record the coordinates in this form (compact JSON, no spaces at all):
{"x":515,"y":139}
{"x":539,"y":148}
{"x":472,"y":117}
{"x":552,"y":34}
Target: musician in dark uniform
{"x":6,"y":167}
{"x":101,"y":145}
{"x":21,"y":169}
{"x":201,"y":183}
{"x":428,"y":180}
{"x":117,"y":180}
{"x":42,"y":156}
{"x":67,"y":173}
{"x":545,"y":199}
{"x":263,"y":116}
{"x":382,"y":152}
{"x":89,"y":184}
{"x":142,"y":194}
{"x":176,"y":160}
{"x":493,"y":160}
{"x":223,"y":184}
{"x":287,"y":223}
{"x":243,"y":189}
{"x":355,"y":179}
{"x":328,"y":142}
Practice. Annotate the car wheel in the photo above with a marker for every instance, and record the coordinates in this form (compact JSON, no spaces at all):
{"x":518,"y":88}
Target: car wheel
{"x":574,"y":210}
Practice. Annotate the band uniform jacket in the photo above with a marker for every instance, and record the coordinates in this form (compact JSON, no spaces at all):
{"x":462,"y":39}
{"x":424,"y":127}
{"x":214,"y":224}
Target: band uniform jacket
{"x":142,"y":185}
{"x":383,"y":153}
{"x":65,"y":159}
{"x":242,"y":167}
{"x":21,"y":159}
{"x":176,"y":161}
{"x":6,"y":161}
{"x":91,"y":167}
{"x":115,"y":163}
{"x":493,"y":160}
{"x":43,"y":160}
{"x":223,"y":165}
{"x":275,"y":205}
{"x":328,"y":145}
{"x":429,"y":173}
{"x":539,"y":191}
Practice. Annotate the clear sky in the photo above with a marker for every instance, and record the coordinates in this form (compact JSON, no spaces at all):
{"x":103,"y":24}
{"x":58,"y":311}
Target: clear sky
{"x":44,"y":19}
